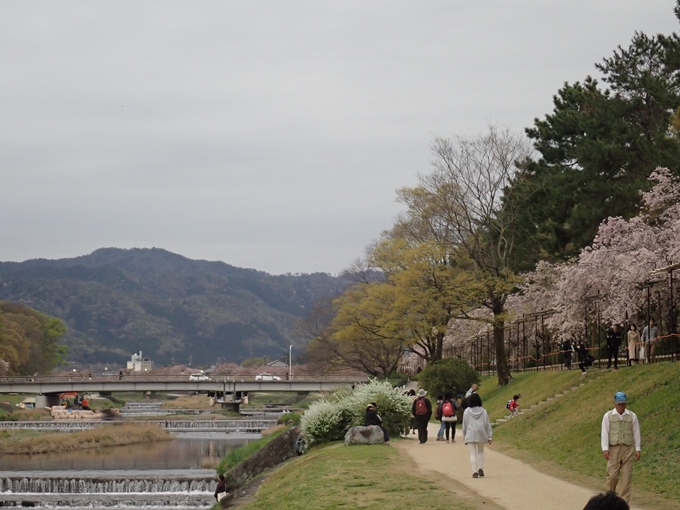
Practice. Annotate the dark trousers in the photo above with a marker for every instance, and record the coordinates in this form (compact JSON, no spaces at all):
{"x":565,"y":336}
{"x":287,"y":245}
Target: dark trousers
{"x":567,"y":360}
{"x":613,"y":352}
{"x":450,"y":425}
{"x":421,"y":425}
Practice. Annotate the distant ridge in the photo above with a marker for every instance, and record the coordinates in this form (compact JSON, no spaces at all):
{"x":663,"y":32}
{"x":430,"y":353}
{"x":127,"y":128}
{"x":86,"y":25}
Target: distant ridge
{"x":117,"y":301}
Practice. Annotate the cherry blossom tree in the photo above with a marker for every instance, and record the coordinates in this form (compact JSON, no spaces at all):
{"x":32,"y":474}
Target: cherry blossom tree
{"x":616,"y":266}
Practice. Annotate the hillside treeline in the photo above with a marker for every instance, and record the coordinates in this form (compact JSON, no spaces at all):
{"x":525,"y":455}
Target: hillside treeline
{"x":115,"y":302}
{"x":30,"y":341}
{"x":495,"y":205}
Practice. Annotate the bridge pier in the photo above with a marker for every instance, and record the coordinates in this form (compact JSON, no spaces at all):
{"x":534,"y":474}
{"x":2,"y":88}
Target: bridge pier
{"x":47,"y":400}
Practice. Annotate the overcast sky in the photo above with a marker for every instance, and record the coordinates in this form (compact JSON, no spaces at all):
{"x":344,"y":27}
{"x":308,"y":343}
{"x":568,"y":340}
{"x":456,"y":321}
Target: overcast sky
{"x":269,"y":135}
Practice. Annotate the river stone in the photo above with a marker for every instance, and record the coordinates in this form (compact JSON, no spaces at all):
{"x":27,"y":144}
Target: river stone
{"x":364,"y":435}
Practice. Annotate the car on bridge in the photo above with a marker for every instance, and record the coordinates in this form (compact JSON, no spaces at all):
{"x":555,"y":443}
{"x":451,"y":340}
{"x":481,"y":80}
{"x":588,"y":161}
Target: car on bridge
{"x":199,"y":377}
{"x":267,"y":377}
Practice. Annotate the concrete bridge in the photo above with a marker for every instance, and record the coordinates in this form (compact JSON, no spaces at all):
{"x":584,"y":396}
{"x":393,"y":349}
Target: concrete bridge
{"x":226,"y":386}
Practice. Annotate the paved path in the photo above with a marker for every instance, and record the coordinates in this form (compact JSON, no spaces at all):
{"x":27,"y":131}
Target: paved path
{"x":509,"y":483}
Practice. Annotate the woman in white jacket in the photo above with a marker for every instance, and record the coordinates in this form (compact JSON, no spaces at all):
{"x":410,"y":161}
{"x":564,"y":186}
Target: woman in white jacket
{"x":476,"y":432}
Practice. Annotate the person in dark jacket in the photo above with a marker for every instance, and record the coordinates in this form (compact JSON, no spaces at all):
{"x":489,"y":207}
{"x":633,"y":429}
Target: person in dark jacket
{"x":373,"y":419}
{"x":221,"y":487}
{"x":614,"y":337}
{"x":422,"y":412}
{"x":584,"y":360}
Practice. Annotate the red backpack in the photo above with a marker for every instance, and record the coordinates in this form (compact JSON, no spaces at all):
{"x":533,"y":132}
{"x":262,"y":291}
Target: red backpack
{"x":447,"y":409}
{"x":421,"y":407}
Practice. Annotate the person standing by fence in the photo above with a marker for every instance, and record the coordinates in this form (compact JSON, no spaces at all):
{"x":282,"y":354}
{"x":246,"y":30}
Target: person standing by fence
{"x":633,"y":345}
{"x":614,"y":338}
{"x":649,"y":340}
{"x":567,"y":349}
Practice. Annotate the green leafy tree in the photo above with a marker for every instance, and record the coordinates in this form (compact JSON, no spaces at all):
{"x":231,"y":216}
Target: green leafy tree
{"x":597,"y":149}
{"x":408,"y":308}
{"x":458,"y":206}
{"x":253,"y":362}
{"x":450,"y":375}
{"x":30,"y":341}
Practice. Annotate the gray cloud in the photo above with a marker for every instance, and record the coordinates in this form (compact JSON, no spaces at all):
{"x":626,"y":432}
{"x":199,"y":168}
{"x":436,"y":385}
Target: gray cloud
{"x":266,"y":134}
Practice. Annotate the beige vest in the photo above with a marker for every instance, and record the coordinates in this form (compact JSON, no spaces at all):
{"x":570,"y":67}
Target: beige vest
{"x":620,"y":429}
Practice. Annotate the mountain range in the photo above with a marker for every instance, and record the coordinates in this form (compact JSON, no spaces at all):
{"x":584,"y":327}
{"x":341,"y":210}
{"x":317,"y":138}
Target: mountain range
{"x":119,"y":301}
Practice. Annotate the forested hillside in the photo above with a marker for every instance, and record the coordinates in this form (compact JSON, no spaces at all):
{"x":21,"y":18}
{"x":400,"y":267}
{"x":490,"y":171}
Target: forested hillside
{"x":115,"y":302}
{"x":30,"y":341}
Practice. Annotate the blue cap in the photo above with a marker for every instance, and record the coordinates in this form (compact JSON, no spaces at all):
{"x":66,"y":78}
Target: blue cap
{"x":620,"y":398}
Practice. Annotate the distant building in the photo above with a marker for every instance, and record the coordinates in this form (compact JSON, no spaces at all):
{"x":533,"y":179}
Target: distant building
{"x":139,"y":363}
{"x":277,"y":363}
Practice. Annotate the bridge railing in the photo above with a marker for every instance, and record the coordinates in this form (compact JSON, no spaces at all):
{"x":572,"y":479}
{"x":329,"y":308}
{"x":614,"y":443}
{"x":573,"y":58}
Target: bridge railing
{"x":175,"y":378}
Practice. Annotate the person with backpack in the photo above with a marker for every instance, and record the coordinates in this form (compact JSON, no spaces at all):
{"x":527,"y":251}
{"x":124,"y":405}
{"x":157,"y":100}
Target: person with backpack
{"x":476,"y":432}
{"x":438,"y":416}
{"x":513,"y":406}
{"x":449,"y":418}
{"x":422,"y":412}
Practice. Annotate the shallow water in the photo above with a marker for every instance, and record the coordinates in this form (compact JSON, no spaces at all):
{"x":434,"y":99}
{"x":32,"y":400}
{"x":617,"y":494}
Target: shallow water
{"x":164,"y":474}
{"x":186,"y":451}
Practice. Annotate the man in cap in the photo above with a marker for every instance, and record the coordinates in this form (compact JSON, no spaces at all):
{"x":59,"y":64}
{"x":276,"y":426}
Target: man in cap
{"x":422,"y":411}
{"x":620,"y":443}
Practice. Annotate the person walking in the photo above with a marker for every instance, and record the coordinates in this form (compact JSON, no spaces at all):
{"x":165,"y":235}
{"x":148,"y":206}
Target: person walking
{"x":620,"y":441}
{"x":449,"y":418}
{"x":513,"y":406}
{"x":476,"y":433}
{"x":421,"y":409}
{"x":649,"y":340}
{"x":583,"y":357}
{"x":633,"y":345}
{"x":614,"y":338}
{"x":438,"y":416}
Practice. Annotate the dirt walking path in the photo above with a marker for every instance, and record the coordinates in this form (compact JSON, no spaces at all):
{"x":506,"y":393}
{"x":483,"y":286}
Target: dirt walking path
{"x":509,"y":483}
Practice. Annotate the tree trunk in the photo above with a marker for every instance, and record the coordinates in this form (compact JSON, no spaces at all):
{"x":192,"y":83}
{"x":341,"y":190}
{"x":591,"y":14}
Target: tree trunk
{"x":502,"y":367}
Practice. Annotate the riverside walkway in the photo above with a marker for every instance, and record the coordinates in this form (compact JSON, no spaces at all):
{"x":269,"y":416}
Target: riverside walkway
{"x":509,"y":483}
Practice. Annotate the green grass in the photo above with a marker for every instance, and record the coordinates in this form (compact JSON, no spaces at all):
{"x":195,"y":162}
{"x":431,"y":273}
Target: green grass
{"x":566,"y":431}
{"x":238,"y":455}
{"x":290,"y":398}
{"x":369,"y":477}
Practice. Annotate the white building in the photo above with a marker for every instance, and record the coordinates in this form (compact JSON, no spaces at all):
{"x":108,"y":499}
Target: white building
{"x":139,"y":364}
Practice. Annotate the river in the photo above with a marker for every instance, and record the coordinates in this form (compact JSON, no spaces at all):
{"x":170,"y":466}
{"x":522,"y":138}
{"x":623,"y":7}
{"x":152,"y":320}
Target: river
{"x":168,"y":474}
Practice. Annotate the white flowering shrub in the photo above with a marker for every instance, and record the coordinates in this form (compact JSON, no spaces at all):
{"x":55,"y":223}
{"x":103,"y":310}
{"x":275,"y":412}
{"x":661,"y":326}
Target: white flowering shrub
{"x":330,"y":418}
{"x":322,"y":422}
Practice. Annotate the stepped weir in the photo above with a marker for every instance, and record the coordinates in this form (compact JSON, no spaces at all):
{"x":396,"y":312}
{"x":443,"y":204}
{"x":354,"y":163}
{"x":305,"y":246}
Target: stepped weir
{"x":68,"y":490}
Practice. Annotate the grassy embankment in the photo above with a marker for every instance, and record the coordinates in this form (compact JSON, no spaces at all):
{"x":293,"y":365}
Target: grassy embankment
{"x":241,"y":453}
{"x":32,"y":442}
{"x":560,"y":438}
{"x":563,"y":436}
{"x":370,"y":477}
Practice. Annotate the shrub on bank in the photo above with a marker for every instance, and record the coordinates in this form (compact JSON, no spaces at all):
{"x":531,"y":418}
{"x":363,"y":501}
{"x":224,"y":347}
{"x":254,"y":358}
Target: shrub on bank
{"x":329,"y":419}
{"x":289,"y":419}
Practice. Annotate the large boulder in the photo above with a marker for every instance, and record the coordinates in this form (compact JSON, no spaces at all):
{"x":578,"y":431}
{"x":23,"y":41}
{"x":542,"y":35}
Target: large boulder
{"x":364,"y":435}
